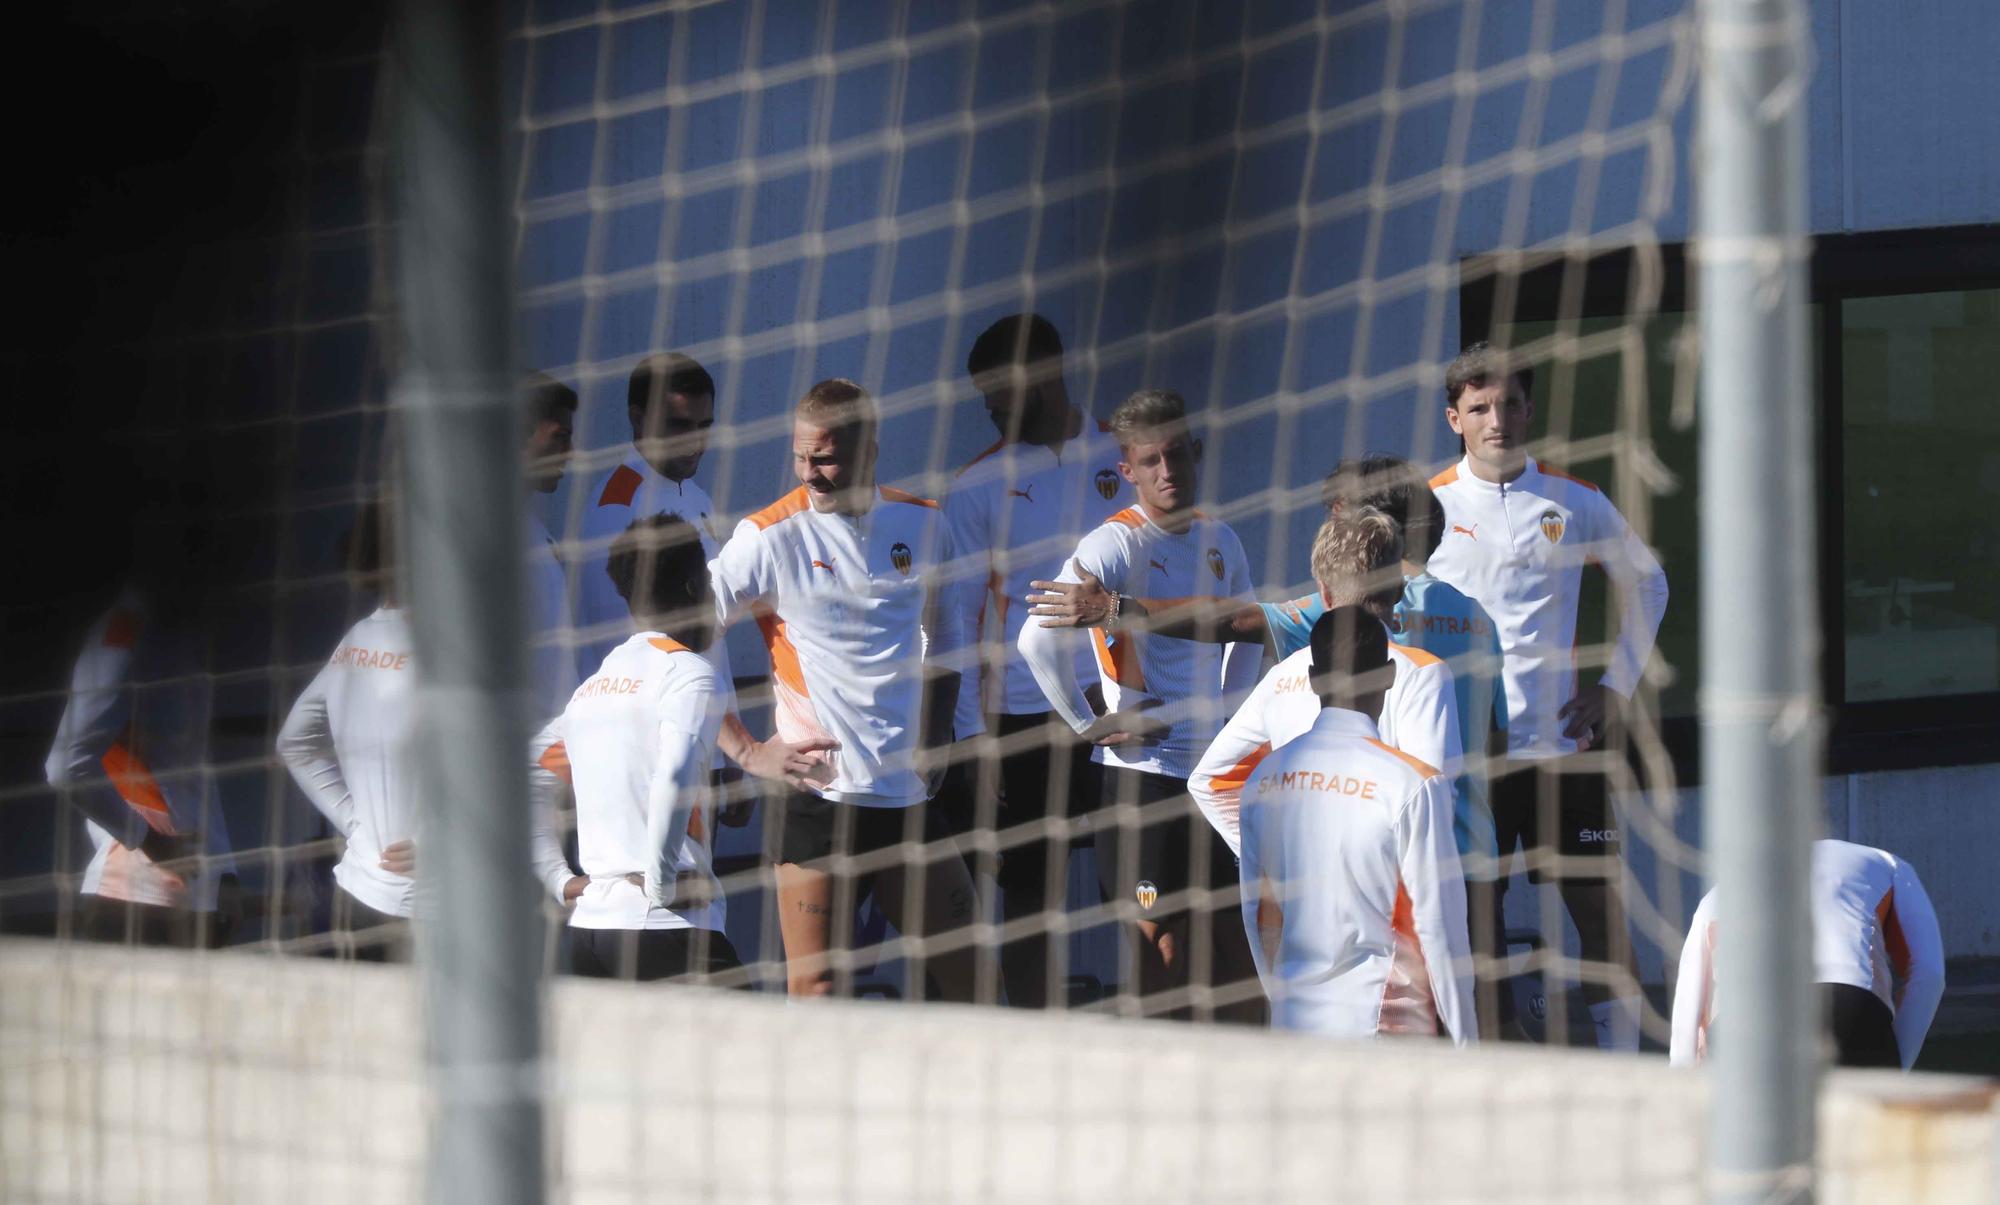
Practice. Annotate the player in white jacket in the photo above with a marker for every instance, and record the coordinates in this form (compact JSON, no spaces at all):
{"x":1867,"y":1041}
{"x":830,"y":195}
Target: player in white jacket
{"x":345,"y":742}
{"x":1877,"y":956}
{"x":1518,"y":536}
{"x":636,"y":744}
{"x":1353,"y":899}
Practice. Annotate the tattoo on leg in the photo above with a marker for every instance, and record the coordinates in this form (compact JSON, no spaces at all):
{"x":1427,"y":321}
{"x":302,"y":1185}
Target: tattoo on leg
{"x":812,"y":909}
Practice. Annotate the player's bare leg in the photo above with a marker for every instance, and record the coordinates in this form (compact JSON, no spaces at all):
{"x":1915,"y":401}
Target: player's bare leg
{"x":805,"y":923}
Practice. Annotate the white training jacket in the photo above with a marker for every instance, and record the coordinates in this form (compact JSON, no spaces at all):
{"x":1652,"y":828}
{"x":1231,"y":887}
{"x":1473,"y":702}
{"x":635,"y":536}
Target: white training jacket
{"x":1519,"y":550}
{"x":1019,"y":510}
{"x":1419,"y":717}
{"x":843,"y":602}
{"x":1873,"y":928}
{"x":636,"y":744}
{"x":551,"y":635}
{"x":1196,"y":683}
{"x":633,"y":490}
{"x":346,"y":743}
{"x":1352,"y":897}
{"x":131,"y":752}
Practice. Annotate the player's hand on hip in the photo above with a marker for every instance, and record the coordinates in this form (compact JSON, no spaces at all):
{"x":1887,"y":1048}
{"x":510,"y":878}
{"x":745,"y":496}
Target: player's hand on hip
{"x":1129,"y":726}
{"x":400,"y":857}
{"x":795,"y":763}
{"x":574,"y":887}
{"x":1587,"y":717}
{"x":1081,"y":604}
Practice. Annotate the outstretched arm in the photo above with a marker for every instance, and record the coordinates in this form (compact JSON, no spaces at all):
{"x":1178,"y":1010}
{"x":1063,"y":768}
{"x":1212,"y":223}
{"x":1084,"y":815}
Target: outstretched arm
{"x":1086,"y":603}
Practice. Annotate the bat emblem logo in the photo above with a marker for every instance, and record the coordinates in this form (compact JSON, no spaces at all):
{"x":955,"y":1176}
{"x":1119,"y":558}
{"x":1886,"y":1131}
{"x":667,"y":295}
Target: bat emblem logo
{"x":1147,"y":894}
{"x":1552,"y":526}
{"x":899,"y":556}
{"x":1215,"y":565}
{"x":1107,"y":484}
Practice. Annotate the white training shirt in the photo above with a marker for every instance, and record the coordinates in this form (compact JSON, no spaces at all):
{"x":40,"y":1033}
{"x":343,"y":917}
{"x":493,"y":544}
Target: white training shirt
{"x":346,"y":743}
{"x":131,"y":752}
{"x":1873,"y":928}
{"x":551,"y":657}
{"x":1519,"y":550}
{"x":1350,"y":873}
{"x":636,"y":743}
{"x":635,"y":490}
{"x":1021,"y":509}
{"x":843,"y":601}
{"x":1197,"y":683}
{"x":1419,"y":717}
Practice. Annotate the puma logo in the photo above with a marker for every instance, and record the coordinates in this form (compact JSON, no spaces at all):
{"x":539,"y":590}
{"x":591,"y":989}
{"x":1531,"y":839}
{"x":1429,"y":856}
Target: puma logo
{"x":1161,"y":566}
{"x":1471,"y":533}
{"x":826,"y":565}
{"x":1028,"y":493}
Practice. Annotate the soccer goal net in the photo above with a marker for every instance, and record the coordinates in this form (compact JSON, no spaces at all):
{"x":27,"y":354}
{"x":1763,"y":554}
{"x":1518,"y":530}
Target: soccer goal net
{"x":1070,"y":358}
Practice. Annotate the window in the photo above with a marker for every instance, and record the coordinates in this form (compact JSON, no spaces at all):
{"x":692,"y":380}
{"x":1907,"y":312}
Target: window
{"x":1907,"y":354}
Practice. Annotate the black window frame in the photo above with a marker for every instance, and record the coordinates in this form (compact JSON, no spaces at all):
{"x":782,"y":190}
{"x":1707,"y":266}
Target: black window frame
{"x":1892,"y":734}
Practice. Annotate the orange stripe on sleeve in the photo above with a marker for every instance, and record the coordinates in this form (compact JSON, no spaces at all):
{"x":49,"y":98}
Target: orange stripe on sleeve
{"x":1235,"y":776}
{"x":621,"y":488}
{"x":1549,"y":470}
{"x":1418,"y":657}
{"x":1130,"y":517}
{"x":555,"y":759}
{"x":1421,"y":767}
{"x":1892,"y":936}
{"x":667,"y":644}
{"x":1119,"y":660}
{"x":891,"y":494}
{"x":1445,"y":478}
{"x":784,"y":656}
{"x":137,"y":786}
{"x":784,"y":508}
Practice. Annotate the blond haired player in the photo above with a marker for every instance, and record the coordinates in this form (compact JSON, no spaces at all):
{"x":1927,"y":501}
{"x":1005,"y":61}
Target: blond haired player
{"x":1518,"y":535}
{"x":345,"y":742}
{"x":1356,"y":562}
{"x":1352,"y":896}
{"x":843,"y":576}
{"x":1164,"y":699}
{"x":636,"y":744}
{"x":1877,"y":956}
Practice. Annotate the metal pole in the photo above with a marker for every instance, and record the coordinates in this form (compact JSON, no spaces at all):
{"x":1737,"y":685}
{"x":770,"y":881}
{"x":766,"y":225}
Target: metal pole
{"x":1760,"y":716}
{"x":479,"y":927}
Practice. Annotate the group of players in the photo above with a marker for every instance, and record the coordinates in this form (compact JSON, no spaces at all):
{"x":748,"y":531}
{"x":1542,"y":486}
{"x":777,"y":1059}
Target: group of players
{"x":1066,"y":649}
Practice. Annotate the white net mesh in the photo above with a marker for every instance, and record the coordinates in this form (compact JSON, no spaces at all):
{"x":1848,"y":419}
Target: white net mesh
{"x":1293,"y":216}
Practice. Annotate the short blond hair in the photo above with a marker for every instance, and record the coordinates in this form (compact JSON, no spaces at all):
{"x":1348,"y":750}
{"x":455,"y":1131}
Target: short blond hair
{"x":1357,"y":559}
{"x":840,"y":406}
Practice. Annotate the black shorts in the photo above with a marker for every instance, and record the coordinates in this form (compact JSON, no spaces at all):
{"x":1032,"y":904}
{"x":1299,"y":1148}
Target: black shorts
{"x":813,"y":830}
{"x":644,"y":955}
{"x":363,"y":934}
{"x":1557,"y":803}
{"x":1154,"y":845}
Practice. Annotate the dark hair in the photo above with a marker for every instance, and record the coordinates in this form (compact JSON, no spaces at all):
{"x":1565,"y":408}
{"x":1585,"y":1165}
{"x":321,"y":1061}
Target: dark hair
{"x":1346,"y":642}
{"x":1393,"y":486}
{"x":1017,"y":339}
{"x":1481,"y":364}
{"x":663,"y":373}
{"x":659,"y":569}
{"x":1147,"y":410}
{"x":546,"y":398}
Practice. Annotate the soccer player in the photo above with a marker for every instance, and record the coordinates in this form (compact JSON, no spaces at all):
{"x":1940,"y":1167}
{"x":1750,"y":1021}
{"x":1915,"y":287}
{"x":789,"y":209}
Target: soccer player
{"x":670,"y":403}
{"x":1018,"y":510}
{"x":131,"y":753}
{"x":1351,"y":893}
{"x":636,"y":744}
{"x":843,"y":576}
{"x":344,"y":743}
{"x":551,"y":419}
{"x":1356,"y":560}
{"x":1518,"y":536}
{"x":1163,"y":697}
{"x":1877,"y":956}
